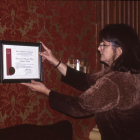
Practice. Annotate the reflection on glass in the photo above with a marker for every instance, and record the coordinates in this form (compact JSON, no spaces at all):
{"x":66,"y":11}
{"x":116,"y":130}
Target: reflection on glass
{"x":79,"y":64}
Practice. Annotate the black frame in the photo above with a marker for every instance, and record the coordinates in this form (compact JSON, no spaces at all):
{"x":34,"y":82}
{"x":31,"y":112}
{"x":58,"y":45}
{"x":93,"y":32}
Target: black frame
{"x":2,"y":80}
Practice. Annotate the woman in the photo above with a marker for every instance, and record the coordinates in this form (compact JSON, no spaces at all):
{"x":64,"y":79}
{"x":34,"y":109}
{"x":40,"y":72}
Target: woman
{"x":113,"y":94}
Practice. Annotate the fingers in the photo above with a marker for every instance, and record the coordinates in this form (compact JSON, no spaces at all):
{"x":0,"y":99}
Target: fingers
{"x":47,"y":55}
{"x":43,"y":58}
{"x":34,"y":82}
{"x":32,"y":88}
{"x":37,"y":86}
{"x":30,"y":84}
{"x":26,"y":84}
{"x":44,"y":46}
{"x":44,"y":54}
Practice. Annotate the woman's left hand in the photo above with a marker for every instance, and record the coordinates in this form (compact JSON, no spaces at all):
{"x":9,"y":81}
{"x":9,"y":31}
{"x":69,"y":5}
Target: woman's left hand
{"x":37,"y":86}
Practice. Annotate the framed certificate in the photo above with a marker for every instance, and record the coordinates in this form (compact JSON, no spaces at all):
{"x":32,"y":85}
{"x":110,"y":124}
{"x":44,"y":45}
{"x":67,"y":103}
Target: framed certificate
{"x":20,"y":61}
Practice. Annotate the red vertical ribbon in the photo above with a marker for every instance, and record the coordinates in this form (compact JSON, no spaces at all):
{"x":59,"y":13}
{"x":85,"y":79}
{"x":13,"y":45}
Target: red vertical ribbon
{"x":8,"y":60}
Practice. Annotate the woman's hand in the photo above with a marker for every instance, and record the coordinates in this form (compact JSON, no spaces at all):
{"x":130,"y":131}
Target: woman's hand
{"x":47,"y":54}
{"x":37,"y":86}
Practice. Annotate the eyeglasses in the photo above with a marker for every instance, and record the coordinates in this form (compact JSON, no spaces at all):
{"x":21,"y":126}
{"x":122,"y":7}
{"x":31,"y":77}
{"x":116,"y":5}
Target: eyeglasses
{"x":103,"y":46}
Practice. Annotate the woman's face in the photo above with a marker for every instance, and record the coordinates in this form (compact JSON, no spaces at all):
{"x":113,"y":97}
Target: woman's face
{"x":108,"y":53}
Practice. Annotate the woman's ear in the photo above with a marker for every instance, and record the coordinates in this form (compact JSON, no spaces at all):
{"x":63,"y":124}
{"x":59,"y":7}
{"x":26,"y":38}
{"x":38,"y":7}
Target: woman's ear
{"x":119,"y":51}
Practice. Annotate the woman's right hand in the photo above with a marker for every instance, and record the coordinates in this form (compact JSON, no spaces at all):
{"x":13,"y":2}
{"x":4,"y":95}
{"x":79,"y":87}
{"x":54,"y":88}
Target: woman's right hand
{"x":47,"y":54}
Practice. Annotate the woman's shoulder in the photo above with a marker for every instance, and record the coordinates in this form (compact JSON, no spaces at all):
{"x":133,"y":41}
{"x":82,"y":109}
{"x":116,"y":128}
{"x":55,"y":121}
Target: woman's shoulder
{"x":125,"y":81}
{"x":122,"y":76}
{"x":128,"y":86}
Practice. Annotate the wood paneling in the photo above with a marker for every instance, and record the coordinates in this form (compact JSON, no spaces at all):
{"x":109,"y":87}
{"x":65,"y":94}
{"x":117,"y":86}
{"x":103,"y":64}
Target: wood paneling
{"x":111,"y":12}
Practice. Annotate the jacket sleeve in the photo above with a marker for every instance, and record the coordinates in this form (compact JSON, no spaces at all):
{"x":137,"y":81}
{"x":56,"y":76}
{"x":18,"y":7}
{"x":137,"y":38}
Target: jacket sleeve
{"x":97,"y":98}
{"x":79,"y":80}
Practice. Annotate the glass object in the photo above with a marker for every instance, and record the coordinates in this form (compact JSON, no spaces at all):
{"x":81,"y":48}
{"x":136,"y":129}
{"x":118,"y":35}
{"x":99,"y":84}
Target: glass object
{"x":79,"y":64}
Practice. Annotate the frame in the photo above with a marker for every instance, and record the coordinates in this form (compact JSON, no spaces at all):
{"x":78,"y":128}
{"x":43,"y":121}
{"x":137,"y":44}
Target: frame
{"x":20,"y":62}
